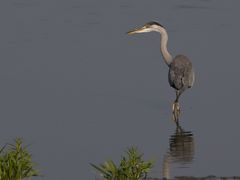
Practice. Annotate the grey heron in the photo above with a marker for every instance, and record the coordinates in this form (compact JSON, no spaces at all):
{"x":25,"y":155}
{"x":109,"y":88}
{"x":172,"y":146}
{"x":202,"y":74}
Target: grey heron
{"x":181,"y":74}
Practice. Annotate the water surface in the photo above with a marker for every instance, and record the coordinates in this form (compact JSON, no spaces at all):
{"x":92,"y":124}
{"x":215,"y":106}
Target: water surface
{"x":81,"y":91}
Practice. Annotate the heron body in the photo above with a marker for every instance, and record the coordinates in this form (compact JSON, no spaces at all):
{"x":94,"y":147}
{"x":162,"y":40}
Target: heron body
{"x":181,"y":75}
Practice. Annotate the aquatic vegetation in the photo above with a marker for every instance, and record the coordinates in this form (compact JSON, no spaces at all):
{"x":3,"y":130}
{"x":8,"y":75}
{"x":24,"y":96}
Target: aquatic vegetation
{"x":132,"y":167}
{"x":16,"y":162}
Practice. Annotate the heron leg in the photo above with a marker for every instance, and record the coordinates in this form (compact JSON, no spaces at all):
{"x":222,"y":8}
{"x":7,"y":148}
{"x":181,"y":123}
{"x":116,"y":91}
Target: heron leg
{"x":176,"y":111}
{"x":176,"y":108}
{"x":178,"y":93}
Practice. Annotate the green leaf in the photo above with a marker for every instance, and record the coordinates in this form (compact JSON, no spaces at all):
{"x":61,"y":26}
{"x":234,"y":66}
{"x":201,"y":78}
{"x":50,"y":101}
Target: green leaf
{"x":101,"y":170}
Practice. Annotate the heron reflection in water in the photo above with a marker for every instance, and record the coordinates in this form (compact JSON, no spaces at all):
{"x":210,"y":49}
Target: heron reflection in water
{"x":181,"y":75}
{"x":181,"y":151}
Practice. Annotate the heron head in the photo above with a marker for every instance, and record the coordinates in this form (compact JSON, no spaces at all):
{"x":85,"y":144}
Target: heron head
{"x":148,"y":27}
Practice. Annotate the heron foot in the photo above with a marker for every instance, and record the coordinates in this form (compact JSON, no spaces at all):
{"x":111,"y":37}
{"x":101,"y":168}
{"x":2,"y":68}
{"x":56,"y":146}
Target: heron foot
{"x":176,"y":111}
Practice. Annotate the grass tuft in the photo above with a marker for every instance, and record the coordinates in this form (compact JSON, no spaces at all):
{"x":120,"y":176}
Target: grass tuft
{"x":16,"y":162}
{"x":132,"y":167}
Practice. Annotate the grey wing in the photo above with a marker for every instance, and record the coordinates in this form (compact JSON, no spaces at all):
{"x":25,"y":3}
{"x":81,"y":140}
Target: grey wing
{"x":181,"y":75}
{"x":175,"y":77}
{"x":191,"y":78}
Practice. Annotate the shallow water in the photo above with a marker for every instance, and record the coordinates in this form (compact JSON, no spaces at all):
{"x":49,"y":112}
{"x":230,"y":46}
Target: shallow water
{"x":81,"y":91}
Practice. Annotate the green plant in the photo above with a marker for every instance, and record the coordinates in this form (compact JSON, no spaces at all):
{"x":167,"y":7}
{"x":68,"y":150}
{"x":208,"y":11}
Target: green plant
{"x":132,"y":167}
{"x":15,"y":162}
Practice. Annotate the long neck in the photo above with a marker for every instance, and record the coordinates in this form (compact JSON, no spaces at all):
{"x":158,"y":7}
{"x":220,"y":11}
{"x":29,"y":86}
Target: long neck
{"x":164,"y":40}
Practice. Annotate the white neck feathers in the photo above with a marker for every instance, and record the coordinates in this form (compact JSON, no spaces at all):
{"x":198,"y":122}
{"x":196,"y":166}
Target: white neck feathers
{"x":164,"y":40}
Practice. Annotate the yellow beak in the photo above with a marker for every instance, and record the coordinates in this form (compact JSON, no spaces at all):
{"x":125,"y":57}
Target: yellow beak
{"x":138,"y":30}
